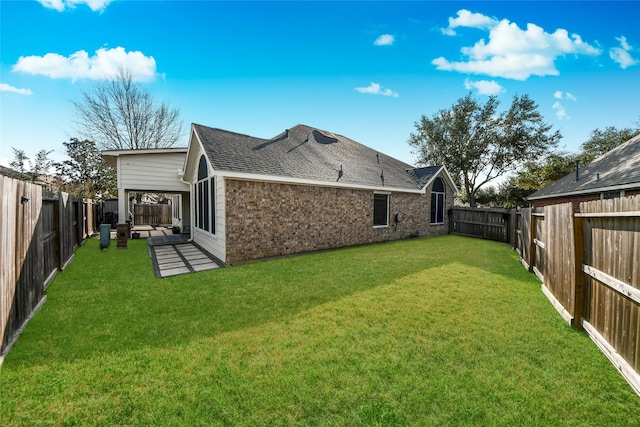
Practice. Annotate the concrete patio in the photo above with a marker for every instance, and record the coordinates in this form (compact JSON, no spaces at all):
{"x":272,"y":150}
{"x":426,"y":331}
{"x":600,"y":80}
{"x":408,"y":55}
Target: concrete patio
{"x":173,"y":254}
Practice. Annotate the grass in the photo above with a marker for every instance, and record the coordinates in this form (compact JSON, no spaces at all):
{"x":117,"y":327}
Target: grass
{"x":440,"y":331}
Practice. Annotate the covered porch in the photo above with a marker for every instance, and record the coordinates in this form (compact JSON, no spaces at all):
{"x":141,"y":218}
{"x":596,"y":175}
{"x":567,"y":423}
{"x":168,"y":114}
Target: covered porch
{"x":152,"y":171}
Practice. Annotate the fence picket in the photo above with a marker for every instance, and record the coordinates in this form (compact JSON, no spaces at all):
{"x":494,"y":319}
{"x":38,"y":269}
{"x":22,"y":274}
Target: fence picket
{"x":36,"y":229}
{"x":589,"y":263}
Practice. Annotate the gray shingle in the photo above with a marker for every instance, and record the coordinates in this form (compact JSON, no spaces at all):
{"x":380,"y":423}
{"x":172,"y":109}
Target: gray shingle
{"x":618,"y":167}
{"x":307,"y":153}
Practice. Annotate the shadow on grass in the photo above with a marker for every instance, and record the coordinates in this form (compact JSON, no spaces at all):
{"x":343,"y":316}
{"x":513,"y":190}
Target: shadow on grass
{"x":109,"y":302}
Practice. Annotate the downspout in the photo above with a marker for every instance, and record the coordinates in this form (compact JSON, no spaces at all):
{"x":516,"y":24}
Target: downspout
{"x":191,"y":210}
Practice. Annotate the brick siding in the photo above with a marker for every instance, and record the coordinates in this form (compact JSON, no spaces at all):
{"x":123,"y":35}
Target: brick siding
{"x":266,"y":219}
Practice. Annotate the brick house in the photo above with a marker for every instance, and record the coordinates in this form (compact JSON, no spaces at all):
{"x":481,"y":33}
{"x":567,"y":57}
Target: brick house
{"x":614,"y":174}
{"x":305,"y":190}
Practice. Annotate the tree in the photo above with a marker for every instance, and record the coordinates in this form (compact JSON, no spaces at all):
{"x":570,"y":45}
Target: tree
{"x":18,"y":162}
{"x":40,"y":165}
{"x":602,"y":141}
{"x":538,"y":174}
{"x":535,"y":175}
{"x":86,"y":173}
{"x":477,"y":144}
{"x":119,"y":114}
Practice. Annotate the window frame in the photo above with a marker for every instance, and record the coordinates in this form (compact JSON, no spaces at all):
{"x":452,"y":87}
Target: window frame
{"x":439,"y":199}
{"x":205,"y":202}
{"x":387,"y":198}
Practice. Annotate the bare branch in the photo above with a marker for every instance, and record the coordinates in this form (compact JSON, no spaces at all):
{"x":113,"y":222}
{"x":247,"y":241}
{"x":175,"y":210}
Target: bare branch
{"x":119,"y":114}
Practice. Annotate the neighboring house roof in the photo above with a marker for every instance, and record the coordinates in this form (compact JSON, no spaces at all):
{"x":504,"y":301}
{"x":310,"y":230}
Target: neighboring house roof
{"x":306,"y":153}
{"x":618,"y":169}
{"x":10,"y":173}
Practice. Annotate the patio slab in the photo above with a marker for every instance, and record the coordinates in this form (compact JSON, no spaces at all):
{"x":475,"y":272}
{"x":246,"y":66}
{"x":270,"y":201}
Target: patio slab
{"x":179,"y":258}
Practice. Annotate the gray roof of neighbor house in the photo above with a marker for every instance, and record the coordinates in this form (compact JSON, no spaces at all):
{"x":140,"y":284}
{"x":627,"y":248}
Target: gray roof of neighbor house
{"x":304,"y":152}
{"x":617,"y":169}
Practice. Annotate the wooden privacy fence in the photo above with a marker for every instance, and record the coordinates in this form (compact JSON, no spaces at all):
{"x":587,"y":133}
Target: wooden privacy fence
{"x":39,"y":231}
{"x":152,"y":214}
{"x":492,"y":224}
{"x":589,"y":264}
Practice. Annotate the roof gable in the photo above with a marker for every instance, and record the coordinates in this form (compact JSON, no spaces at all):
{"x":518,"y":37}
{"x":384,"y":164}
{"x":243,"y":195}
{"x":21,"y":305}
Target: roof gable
{"x":303,"y":152}
{"x":616,"y":169}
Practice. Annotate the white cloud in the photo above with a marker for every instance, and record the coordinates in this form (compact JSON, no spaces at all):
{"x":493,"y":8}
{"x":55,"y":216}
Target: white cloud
{"x":485,"y":87}
{"x":561,"y":113}
{"x":564,"y":95}
{"x":376,"y":89}
{"x":103,"y":65}
{"x":621,"y":55}
{"x":8,"y":88}
{"x":512,"y":52}
{"x":468,"y":19}
{"x":60,"y":5}
{"x":623,"y":43}
{"x":384,"y":40}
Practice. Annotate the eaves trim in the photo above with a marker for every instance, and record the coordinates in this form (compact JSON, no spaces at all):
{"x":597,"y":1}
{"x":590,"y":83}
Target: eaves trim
{"x":632,"y":185}
{"x":301,"y":181}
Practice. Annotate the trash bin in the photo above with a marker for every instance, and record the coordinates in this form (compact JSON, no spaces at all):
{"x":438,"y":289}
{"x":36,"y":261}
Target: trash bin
{"x":123,"y":235}
{"x":105,"y":235}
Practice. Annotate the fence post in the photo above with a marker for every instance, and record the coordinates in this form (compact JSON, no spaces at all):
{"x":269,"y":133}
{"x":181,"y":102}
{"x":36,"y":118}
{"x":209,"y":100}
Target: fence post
{"x":512,"y":228}
{"x":532,"y":240}
{"x":578,"y":250}
{"x":61,"y":230}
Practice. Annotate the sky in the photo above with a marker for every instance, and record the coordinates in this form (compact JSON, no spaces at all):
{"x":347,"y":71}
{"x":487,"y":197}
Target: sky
{"x":365,"y":70}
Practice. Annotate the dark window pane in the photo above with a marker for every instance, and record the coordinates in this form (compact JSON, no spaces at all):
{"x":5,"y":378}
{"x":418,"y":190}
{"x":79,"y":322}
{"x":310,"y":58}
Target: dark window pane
{"x":202,"y":168}
{"x":434,"y":207}
{"x":437,"y":201}
{"x":380,"y":205}
{"x":440,"y":209}
{"x":205,"y":205}
{"x":200,"y":207}
{"x":438,"y":185}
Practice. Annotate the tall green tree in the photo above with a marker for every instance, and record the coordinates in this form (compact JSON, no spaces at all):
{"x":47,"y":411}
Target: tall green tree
{"x":478,"y":144}
{"x":602,"y":141}
{"x":538,"y":174}
{"x":533,"y":176}
{"x":41,"y":165}
{"x":85,"y":173}
{"x":19,"y":162}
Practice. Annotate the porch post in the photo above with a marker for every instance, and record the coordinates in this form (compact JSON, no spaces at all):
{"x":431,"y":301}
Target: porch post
{"x":123,"y":206}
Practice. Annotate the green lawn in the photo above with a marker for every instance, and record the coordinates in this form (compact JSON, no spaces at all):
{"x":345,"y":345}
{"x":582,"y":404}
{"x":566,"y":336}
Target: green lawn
{"x":440,"y":331}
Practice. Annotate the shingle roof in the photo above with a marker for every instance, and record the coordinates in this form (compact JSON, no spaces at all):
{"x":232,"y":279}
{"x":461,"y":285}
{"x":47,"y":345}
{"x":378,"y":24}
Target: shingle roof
{"x":307,"y":153}
{"x":423,"y":175}
{"x":10,"y":172}
{"x":618,"y":168}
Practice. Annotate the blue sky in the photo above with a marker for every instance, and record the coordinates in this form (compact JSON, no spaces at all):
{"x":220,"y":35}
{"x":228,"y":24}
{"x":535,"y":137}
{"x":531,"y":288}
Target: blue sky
{"x":366,"y":70}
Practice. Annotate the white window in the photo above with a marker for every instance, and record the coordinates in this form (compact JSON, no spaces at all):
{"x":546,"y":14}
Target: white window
{"x":204,"y":191}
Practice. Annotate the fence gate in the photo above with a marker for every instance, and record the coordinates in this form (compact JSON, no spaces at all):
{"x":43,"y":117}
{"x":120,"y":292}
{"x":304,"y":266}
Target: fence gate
{"x":50,"y":233}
